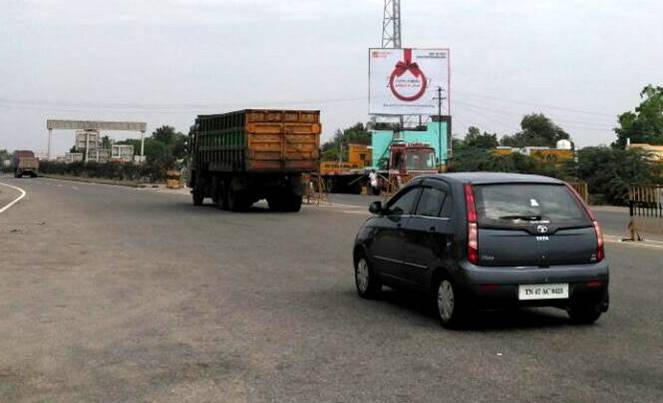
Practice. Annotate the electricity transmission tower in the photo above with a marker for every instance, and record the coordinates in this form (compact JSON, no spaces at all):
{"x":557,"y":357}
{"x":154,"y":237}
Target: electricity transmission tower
{"x":391,"y":24}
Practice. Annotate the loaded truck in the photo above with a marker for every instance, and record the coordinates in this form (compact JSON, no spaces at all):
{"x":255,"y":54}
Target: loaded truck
{"x":25,"y":163}
{"x":241,"y":157}
{"x":350,"y":176}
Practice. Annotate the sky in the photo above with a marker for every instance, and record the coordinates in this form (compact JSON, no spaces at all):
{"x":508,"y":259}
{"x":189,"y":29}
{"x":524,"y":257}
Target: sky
{"x":581,"y":62}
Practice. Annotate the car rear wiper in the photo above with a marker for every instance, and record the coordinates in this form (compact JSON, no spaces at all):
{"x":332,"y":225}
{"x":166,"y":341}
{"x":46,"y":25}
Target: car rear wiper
{"x":521,"y":217}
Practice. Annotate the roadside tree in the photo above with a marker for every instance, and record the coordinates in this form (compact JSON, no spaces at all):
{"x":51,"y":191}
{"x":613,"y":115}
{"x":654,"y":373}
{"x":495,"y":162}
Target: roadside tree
{"x":645,"y":125}
{"x":536,"y":130}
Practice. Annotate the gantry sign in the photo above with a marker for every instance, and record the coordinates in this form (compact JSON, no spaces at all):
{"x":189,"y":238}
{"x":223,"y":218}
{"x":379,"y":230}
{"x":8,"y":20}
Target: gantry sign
{"x":95,"y":125}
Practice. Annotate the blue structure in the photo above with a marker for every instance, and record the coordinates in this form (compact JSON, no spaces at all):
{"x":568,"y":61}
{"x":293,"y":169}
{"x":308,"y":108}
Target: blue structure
{"x":381,"y":139}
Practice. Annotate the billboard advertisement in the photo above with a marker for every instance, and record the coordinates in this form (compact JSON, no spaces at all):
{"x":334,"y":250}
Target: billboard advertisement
{"x":406,"y":81}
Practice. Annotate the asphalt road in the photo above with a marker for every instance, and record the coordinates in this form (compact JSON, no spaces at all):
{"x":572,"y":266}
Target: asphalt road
{"x":118,"y":294}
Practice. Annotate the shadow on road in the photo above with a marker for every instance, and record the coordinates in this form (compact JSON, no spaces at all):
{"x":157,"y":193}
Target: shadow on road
{"x":504,"y":319}
{"x":210,"y":208}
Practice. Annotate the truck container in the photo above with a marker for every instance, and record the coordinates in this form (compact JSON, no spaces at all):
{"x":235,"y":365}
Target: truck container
{"x":241,"y":157}
{"x":25,"y":163}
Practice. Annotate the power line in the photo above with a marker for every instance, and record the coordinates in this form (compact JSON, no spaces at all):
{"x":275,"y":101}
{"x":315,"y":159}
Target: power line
{"x":561,"y":121}
{"x":519,"y":102}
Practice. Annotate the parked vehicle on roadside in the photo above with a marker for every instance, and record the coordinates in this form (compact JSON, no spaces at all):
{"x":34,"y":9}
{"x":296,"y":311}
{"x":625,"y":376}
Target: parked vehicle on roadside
{"x":486,"y":240}
{"x":25,"y":163}
{"x":241,"y":157}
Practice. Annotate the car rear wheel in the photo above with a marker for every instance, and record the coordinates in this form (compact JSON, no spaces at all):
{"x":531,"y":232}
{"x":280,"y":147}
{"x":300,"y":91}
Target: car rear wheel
{"x":584,"y":314}
{"x":450,"y":307}
{"x":368,"y":286}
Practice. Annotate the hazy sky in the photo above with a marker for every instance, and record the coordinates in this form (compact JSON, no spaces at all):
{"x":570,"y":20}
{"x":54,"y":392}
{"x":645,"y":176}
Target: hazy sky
{"x":163,"y":61}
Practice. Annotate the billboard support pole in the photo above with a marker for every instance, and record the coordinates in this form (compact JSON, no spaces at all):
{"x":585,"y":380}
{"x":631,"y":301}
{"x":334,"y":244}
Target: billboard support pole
{"x":439,"y":99}
{"x":142,"y":144}
{"x":50,"y":136}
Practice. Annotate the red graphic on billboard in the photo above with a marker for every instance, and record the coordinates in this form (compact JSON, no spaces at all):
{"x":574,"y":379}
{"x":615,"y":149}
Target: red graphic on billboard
{"x":407,"y":87}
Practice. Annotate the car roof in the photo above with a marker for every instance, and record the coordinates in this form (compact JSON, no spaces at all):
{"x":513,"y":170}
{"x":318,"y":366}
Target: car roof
{"x":481,"y":178}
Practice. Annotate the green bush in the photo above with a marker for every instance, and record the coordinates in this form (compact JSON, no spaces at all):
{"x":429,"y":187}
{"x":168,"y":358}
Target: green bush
{"x":154,"y":171}
{"x":480,"y":159}
{"x":609,"y":172}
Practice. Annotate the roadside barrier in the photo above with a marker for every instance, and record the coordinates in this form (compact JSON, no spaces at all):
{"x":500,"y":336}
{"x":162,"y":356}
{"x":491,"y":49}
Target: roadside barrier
{"x":645,"y":210}
{"x":173,"y":179}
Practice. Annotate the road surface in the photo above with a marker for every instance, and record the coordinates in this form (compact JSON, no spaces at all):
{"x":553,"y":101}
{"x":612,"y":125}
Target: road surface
{"x":118,"y":294}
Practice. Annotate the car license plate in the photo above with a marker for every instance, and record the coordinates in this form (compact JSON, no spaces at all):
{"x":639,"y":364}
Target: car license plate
{"x":543,"y":291}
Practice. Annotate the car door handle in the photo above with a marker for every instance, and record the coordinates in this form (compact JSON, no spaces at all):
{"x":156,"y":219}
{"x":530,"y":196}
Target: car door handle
{"x":431,"y":229}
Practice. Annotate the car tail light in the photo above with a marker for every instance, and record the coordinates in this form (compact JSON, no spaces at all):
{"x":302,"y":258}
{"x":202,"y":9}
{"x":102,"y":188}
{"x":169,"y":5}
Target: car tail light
{"x":472,"y":228}
{"x":600,"y":250}
{"x":470,"y":204}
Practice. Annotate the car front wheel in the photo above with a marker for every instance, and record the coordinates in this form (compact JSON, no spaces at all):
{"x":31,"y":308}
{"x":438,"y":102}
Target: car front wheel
{"x":368,"y":286}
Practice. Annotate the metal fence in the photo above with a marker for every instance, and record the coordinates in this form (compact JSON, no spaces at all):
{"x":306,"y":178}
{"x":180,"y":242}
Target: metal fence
{"x":646,"y":210}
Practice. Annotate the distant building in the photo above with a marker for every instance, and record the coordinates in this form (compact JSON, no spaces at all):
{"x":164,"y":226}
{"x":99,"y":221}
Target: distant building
{"x":122,"y":152}
{"x":563,"y":152}
{"x":655,"y":152}
{"x":41,"y":155}
{"x":70,"y":157}
{"x":100,"y":155}
{"x":87,"y":137}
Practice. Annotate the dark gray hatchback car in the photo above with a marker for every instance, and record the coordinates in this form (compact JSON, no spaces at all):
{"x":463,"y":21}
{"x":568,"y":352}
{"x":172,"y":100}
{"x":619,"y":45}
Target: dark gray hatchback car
{"x":486,"y":240}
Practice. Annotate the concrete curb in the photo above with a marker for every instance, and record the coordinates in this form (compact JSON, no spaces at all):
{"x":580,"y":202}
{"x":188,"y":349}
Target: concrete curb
{"x":610,"y":209}
{"x":99,"y":181}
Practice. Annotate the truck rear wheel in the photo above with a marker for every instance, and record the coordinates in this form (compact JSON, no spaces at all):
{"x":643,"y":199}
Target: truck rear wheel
{"x":356,"y":188}
{"x":286,"y":202}
{"x":294,"y":204}
{"x":237,"y":200}
{"x":275,"y":202}
{"x":329,"y":184}
{"x":198,"y":197}
{"x":223,"y":195}
{"x":216,"y":190}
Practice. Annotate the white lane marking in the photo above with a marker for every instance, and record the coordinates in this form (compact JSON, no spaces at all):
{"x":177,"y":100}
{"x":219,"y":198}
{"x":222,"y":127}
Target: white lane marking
{"x":5,"y":208}
{"x":644,"y":244}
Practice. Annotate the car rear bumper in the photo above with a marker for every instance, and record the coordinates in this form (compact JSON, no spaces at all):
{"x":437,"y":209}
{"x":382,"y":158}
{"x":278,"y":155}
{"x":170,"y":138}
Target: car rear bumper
{"x":498,"y":286}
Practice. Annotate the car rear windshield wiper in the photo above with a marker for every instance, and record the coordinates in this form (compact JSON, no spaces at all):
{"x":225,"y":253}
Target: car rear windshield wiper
{"x":521,"y":217}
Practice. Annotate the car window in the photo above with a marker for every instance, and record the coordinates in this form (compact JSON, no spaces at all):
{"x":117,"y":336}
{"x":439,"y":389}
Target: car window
{"x":447,"y":207}
{"x":405,"y":202}
{"x":430,"y":202}
{"x":520,"y":204}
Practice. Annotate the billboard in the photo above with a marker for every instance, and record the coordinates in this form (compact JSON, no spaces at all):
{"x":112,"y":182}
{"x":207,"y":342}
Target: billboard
{"x":405,"y":81}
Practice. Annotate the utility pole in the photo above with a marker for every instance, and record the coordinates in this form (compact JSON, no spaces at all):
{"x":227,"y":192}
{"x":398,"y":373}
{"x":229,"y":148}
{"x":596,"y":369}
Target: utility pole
{"x":439,"y":98}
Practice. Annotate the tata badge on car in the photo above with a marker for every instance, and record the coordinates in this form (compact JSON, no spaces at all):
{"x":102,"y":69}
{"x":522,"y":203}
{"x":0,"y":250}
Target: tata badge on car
{"x":405,"y":81}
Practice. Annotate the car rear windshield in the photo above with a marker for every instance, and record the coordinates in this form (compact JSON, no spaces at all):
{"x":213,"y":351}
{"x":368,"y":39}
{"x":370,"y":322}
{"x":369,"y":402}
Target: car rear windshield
{"x":524,"y":204}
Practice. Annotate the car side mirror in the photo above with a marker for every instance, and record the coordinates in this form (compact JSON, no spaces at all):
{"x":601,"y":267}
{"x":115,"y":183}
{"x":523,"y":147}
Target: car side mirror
{"x":375,"y":207}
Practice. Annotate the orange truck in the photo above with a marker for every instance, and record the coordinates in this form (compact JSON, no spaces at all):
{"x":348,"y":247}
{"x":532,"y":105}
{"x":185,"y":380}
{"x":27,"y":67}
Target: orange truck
{"x":240,"y":157}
